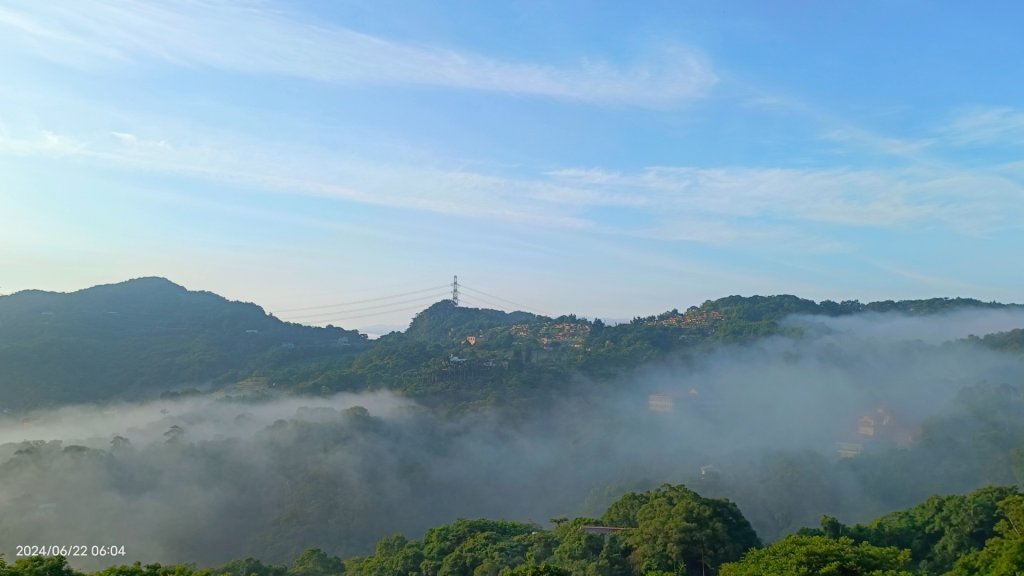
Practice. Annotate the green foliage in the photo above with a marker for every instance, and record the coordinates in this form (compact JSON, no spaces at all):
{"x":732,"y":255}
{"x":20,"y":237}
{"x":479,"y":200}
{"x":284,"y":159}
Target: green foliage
{"x":463,"y":548}
{"x":394,"y":556}
{"x":315,"y":562}
{"x":623,"y":512}
{"x":250,"y":567}
{"x":42,"y":566}
{"x":1003,"y":554}
{"x":674,"y":529}
{"x":590,"y":554}
{"x":476,"y":547}
{"x":138,"y":569}
{"x":821,"y":556}
{"x":674,"y":526}
{"x":539,"y":570}
{"x":445,"y":322}
{"x":942,"y":529}
{"x":1011,"y":341}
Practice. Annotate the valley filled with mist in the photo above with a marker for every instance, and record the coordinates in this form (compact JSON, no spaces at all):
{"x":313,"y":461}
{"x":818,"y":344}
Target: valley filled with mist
{"x":214,"y":432}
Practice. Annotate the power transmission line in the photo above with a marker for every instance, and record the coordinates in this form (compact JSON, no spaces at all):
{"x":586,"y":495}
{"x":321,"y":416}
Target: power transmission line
{"x":491,"y":304}
{"x":477,"y":296}
{"x":424,"y":298}
{"x":378,"y":299}
{"x":370,"y":315}
{"x":483,"y":302}
{"x":499,"y":298}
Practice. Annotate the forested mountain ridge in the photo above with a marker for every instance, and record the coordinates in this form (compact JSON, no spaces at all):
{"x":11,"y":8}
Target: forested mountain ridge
{"x":149,"y":336}
{"x":138,"y":338}
{"x":465,"y":357}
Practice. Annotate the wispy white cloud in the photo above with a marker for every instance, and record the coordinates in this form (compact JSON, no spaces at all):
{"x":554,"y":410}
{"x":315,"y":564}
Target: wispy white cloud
{"x":321,"y":173}
{"x":129,"y":139}
{"x":901,"y":148}
{"x":966,"y":201}
{"x":259,"y":38}
{"x":987,"y":125}
{"x":724,"y":206}
{"x":44,"y":142}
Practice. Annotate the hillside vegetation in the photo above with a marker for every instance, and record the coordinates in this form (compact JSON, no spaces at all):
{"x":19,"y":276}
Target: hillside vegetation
{"x":139,"y":338}
{"x":144,"y":337}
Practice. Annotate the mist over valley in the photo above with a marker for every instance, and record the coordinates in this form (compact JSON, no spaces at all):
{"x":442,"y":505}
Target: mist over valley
{"x":790,"y":414}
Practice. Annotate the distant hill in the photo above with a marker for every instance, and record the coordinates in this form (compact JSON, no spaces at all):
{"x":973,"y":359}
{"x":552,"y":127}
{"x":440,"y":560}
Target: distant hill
{"x":753,"y":316}
{"x":446,"y":321}
{"x":1010,"y":341}
{"x":149,"y":336}
{"x":139,"y":338}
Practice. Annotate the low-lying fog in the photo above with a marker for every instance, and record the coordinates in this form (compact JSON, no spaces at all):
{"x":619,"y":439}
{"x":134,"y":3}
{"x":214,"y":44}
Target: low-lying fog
{"x":207,"y":480}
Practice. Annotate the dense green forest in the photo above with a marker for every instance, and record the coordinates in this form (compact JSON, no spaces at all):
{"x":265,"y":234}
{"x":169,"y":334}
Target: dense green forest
{"x":144,"y":337}
{"x":670,"y":530}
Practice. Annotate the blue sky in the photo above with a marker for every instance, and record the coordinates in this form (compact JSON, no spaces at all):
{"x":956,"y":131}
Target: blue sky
{"x":601,"y":158}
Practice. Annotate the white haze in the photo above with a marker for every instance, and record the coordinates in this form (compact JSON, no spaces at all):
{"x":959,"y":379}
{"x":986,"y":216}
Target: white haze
{"x":267,"y":480}
{"x":933,"y":329}
{"x":148,"y":422}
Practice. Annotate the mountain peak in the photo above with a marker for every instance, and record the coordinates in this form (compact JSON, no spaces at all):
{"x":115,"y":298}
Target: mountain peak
{"x":144,"y":283}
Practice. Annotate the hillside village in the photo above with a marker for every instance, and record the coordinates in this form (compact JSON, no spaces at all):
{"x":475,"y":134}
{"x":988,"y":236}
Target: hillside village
{"x":150,"y":336}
